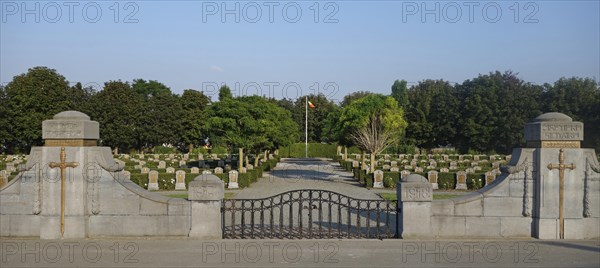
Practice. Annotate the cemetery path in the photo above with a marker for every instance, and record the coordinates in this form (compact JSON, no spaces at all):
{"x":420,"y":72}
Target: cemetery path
{"x":294,"y":174}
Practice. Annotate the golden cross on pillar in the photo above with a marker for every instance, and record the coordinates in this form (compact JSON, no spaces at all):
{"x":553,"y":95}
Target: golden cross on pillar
{"x":62,"y":165}
{"x":561,"y":166}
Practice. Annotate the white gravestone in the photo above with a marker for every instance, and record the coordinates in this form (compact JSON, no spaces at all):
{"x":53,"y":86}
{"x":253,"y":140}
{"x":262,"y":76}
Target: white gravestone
{"x":180,"y":180}
{"x":233,"y":180}
{"x":153,"y":180}
{"x":378,"y":179}
{"x":461,"y":180}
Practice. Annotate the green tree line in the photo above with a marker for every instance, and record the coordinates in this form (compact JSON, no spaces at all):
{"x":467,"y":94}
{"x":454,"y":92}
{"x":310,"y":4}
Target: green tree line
{"x":483,"y":114}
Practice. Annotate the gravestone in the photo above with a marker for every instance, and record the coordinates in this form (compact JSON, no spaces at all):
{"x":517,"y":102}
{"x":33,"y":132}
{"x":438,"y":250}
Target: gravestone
{"x":470,"y":170}
{"x":170,"y":170}
{"x":419,"y":170}
{"x":461,"y":180}
{"x":386,"y":167}
{"x":182,"y":164}
{"x":180,"y":180}
{"x":162,"y":165}
{"x":408,"y":167}
{"x":233,"y":180}
{"x":153,"y":180}
{"x":195,"y":170}
{"x":394,"y":163}
{"x":10,"y":167}
{"x":186,"y":156}
{"x":378,"y":179}
{"x":200,"y":157}
{"x":354,"y":164}
{"x":444,"y":170}
{"x":3,"y":178}
{"x":249,"y":167}
{"x":490,"y":176}
{"x":218,"y":170}
{"x":394,"y":169}
{"x":432,"y":176}
{"x":404,"y":173}
{"x":145,"y":170}
{"x":126,"y":175}
{"x":206,"y":172}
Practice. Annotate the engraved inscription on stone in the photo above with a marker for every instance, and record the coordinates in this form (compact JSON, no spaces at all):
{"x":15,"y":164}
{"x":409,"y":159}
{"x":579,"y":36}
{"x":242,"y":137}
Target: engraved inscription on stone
{"x":62,"y":130}
{"x":416,"y":194}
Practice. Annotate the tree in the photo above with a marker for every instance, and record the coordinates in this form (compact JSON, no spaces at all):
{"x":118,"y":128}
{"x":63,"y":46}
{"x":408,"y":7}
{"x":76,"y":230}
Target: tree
{"x":148,"y":89}
{"x":375,"y":115}
{"x":118,"y":108}
{"x":316,"y":116}
{"x":252,"y":123}
{"x":354,"y":96}
{"x":400,"y":93}
{"x":432,"y":111}
{"x":225,"y":93}
{"x":30,"y":99}
{"x":495,"y":108}
{"x":194,"y":104}
{"x":580,"y":99}
{"x":5,"y":136}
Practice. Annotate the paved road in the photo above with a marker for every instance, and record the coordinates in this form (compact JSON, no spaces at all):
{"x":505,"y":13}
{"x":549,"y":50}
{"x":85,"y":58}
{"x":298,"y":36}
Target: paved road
{"x":169,"y":252}
{"x":294,"y":174}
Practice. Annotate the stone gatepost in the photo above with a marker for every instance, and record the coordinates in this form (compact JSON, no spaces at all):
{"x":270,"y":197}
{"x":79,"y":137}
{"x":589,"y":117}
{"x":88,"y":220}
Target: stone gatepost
{"x":206,"y":193}
{"x":415,"y":194}
{"x":558,"y":157}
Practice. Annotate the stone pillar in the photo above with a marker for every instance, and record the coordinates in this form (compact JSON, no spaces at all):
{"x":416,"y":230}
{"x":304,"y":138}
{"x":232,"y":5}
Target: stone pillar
{"x":206,"y":193}
{"x":414,"y":200}
{"x":555,"y":136}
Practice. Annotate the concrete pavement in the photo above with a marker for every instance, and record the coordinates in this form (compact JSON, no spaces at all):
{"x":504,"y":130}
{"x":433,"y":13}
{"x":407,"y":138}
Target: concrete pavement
{"x":170,"y":252}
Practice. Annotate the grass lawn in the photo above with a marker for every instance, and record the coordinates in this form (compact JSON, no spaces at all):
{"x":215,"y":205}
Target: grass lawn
{"x":392,"y":197}
{"x":185,"y":195}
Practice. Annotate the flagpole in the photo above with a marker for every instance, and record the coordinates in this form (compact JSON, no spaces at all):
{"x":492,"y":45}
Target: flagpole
{"x":306,"y":126}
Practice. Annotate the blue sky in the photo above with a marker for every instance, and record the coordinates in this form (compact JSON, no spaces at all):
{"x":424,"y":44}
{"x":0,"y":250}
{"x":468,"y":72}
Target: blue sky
{"x":347,"y":46}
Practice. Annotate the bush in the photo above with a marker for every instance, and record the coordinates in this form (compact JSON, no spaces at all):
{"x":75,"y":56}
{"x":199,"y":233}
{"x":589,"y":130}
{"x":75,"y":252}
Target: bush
{"x":298,"y":150}
{"x":390,"y":179}
{"x":475,"y":181}
{"x":446,"y":181}
{"x":164,"y":150}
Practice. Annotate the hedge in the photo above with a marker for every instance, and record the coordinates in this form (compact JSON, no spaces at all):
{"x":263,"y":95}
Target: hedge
{"x":298,"y":150}
{"x":166,"y":181}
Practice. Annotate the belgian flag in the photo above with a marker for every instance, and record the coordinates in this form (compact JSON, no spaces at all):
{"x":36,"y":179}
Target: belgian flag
{"x":311,"y":105}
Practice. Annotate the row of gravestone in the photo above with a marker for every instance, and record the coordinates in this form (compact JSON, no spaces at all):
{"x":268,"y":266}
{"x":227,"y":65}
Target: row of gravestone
{"x":392,"y":166}
{"x":445,"y":157}
{"x":432,"y":176}
{"x":183,"y":164}
{"x":187,"y":156}
{"x":179,"y":180}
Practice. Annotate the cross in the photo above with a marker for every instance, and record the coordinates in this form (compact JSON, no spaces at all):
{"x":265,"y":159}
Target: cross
{"x":62,"y":165}
{"x":561,"y":166}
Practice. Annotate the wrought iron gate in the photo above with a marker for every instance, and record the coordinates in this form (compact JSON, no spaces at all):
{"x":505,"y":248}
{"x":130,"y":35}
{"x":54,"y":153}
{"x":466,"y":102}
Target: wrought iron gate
{"x":309,"y":214}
